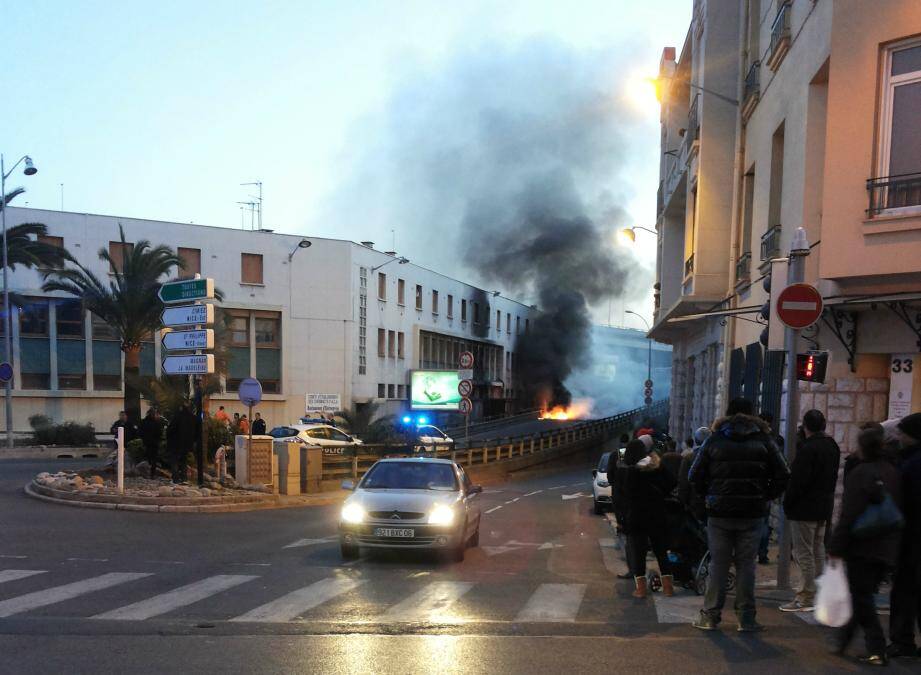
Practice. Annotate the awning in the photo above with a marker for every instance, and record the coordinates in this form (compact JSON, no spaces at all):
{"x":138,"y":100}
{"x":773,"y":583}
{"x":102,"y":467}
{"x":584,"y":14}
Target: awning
{"x":751,"y":309}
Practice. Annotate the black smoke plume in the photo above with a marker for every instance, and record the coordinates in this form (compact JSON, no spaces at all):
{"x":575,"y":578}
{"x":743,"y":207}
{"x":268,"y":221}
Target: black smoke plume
{"x":510,"y":163}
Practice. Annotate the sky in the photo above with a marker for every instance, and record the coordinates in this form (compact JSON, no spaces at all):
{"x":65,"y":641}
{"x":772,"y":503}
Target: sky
{"x":160,"y":110}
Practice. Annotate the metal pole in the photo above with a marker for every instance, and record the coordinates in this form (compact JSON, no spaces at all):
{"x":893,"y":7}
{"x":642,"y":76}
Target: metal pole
{"x":796,"y":271}
{"x":7,"y":325}
{"x":120,"y":455}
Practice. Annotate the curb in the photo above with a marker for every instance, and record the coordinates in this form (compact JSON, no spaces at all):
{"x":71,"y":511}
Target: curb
{"x":270,"y":502}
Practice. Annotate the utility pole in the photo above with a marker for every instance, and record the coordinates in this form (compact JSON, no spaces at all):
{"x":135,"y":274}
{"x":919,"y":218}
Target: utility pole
{"x":796,"y":272}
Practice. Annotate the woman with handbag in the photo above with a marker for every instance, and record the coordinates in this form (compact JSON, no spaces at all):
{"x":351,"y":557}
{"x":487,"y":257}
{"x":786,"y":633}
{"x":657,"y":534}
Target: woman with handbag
{"x":867,"y":537}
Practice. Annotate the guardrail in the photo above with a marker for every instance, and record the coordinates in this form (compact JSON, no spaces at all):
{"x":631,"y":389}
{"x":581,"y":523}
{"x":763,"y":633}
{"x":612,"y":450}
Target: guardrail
{"x":487,"y":424}
{"x":353,"y":463}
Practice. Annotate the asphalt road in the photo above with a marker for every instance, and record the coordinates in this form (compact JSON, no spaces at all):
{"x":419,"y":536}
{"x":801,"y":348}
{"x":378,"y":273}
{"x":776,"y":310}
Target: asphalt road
{"x":100,"y":591}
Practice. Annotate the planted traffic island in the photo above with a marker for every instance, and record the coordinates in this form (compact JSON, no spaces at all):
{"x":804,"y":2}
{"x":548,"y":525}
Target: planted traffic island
{"x":97,"y":489}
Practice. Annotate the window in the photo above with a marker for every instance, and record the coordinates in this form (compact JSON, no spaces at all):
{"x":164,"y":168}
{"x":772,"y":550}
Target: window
{"x":381,"y":390}
{"x":251,"y":268}
{"x":463,"y":310}
{"x":107,"y":356}
{"x":69,"y":318}
{"x":498,"y":321}
{"x":401,"y":292}
{"x":239,"y":329}
{"x":776,"y":195}
{"x":381,"y":286}
{"x":527,"y":325}
{"x":418,"y":297}
{"x":391,"y":343}
{"x":476,"y":312}
{"x":71,"y":349}
{"x":900,"y":151}
{"x":336,"y":435}
{"x":508,"y":323}
{"x":363,"y":321}
{"x":117,"y":252}
{"x":238,"y":353}
{"x":48,"y":240}
{"x":435,"y":302}
{"x":401,"y":391}
{"x":34,"y":344}
{"x":268,"y":350}
{"x":450,"y":306}
{"x":381,"y":342}
{"x":401,"y":344}
{"x":517,"y":325}
{"x":391,"y":391}
{"x":191,"y":258}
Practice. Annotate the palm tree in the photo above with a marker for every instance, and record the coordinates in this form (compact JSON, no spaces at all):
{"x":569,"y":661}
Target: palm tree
{"x":128,"y":301}
{"x":24,"y":247}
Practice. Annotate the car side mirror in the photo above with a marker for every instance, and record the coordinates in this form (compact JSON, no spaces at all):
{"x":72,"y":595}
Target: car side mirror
{"x":475,"y":490}
{"x":594,"y":473}
{"x":348,"y":485}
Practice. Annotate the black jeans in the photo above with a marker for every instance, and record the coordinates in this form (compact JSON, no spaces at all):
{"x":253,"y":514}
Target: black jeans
{"x":638,"y":544}
{"x":905,"y":604}
{"x":863,"y":579}
{"x":732,"y":541}
{"x":152,"y":454}
{"x":179,"y":467}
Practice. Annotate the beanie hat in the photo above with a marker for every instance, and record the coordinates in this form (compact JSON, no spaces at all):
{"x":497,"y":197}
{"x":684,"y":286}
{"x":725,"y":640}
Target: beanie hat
{"x":910,"y":425}
{"x":701,"y":435}
{"x":646,"y":440}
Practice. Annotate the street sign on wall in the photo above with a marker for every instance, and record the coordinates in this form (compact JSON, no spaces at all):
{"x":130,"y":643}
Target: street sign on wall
{"x":188,"y":315}
{"x":187,"y":289}
{"x":188,"y":339}
{"x":189,"y":364}
{"x":799,"y":306}
{"x":323,"y":403}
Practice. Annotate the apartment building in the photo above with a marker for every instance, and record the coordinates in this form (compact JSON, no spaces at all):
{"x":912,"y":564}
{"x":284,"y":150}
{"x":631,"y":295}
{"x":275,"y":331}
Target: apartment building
{"x":333,"y":317}
{"x":825,"y":134}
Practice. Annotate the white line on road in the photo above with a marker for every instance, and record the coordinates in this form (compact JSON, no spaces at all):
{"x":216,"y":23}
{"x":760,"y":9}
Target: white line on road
{"x":512,"y":501}
{"x":88,"y":559}
{"x":251,"y":564}
{"x":310,"y":542}
{"x":557,"y":487}
{"x":176,"y":598}
{"x":553,"y":602}
{"x":165,"y":562}
{"x":495,"y":508}
{"x":536,"y":492}
{"x":13,"y":575}
{"x":50,"y":596}
{"x":432,"y":603}
{"x":295,"y":603}
{"x":609,"y":555}
{"x":677,"y":609}
{"x":16,"y":557}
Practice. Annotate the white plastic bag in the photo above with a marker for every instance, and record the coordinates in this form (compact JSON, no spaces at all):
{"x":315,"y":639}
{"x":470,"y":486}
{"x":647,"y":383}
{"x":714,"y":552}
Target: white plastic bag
{"x":833,"y":601}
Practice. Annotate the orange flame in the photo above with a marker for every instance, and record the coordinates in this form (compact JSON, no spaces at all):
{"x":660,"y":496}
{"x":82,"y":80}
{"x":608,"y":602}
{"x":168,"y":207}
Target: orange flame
{"x":578,"y":409}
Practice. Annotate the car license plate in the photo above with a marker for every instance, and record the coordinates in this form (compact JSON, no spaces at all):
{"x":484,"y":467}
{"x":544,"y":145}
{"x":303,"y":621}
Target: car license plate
{"x":406,"y":533}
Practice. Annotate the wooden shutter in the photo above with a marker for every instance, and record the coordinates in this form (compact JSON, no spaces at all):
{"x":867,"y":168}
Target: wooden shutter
{"x":251,"y":268}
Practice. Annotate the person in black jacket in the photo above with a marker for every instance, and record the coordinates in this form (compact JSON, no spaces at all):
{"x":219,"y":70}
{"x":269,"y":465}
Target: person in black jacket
{"x":808,"y":505}
{"x":258,"y":425}
{"x":180,"y":441}
{"x":739,"y":471}
{"x":647,"y":485}
{"x":151,"y":431}
{"x":905,"y":598}
{"x":867,"y":558}
{"x":131,"y":430}
{"x":685,"y":492}
{"x":617,"y":473}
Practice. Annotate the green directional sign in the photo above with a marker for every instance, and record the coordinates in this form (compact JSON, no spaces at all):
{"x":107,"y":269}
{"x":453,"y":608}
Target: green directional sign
{"x":188,"y":289}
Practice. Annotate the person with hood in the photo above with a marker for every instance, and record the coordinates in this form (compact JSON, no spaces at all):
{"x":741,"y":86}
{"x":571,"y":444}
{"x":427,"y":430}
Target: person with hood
{"x":808,"y":505}
{"x":647,"y":485}
{"x":180,"y":441}
{"x":905,"y":598}
{"x":151,"y":431}
{"x":869,"y":558}
{"x":738,"y":472}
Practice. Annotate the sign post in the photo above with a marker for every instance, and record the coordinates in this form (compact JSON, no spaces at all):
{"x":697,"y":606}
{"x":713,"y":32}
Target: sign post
{"x":799,"y":305}
{"x":120,"y":458}
{"x":465,"y":389}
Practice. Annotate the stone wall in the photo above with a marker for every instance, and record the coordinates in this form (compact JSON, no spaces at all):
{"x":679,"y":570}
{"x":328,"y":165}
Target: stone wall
{"x":846,"y":402}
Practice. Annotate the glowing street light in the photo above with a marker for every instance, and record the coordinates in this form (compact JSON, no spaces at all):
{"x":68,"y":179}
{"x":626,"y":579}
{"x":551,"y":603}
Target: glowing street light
{"x":627,"y":236}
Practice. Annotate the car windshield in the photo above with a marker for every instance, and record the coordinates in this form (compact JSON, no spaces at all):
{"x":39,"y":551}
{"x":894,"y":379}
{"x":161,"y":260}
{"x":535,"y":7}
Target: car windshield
{"x":603,"y":462}
{"x":283,"y":432}
{"x":410,"y":476}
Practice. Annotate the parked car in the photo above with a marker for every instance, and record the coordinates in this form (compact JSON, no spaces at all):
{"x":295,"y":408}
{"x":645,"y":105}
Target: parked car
{"x":412,"y":502}
{"x":601,"y":487}
{"x":432,"y":439}
{"x":331,"y":439}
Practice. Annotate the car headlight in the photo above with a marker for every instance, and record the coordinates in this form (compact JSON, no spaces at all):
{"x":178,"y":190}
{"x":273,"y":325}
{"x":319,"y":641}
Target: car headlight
{"x":441,"y":515}
{"x":603,"y":483}
{"x":353,"y":513}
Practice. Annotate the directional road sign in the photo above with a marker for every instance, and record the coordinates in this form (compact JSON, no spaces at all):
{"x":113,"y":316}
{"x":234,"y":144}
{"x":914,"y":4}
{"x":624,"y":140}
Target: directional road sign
{"x":799,"y":306}
{"x":187,"y":289}
{"x":191,"y":364}
{"x":465,"y":388}
{"x":466,"y":360}
{"x":189,"y":339}
{"x":188,"y":315}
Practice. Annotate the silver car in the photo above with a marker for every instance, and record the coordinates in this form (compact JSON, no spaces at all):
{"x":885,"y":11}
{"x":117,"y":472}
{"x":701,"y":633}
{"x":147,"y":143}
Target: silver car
{"x":413,"y":502}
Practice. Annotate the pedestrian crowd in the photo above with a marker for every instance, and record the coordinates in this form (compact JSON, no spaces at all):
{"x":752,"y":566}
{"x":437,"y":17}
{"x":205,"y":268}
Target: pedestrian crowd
{"x":732,"y":479}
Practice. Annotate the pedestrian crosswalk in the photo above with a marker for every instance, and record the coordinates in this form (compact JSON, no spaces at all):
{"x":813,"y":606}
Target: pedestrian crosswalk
{"x":55,"y":594}
{"x":295,"y":603}
{"x":179,"y":597}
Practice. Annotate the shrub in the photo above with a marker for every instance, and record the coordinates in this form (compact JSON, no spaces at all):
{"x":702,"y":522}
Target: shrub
{"x":68,"y":433}
{"x":135,"y":450}
{"x":39,"y":421}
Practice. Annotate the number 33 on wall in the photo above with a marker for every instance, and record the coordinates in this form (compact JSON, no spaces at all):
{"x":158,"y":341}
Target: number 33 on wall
{"x":902,"y":365}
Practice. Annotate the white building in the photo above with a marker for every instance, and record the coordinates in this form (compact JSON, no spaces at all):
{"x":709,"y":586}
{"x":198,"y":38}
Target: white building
{"x":336,"y":318}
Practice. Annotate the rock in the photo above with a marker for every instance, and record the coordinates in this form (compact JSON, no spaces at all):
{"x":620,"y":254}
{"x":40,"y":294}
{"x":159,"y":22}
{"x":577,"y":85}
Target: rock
{"x":214,"y":486}
{"x":208,"y":477}
{"x":97,"y":480}
{"x":192,"y":492}
{"x":205,"y":492}
{"x":143,"y":469}
{"x":77,"y":482}
{"x":62,"y":484}
{"x":178,"y":492}
{"x":165,"y":491}
{"x":43,"y":474}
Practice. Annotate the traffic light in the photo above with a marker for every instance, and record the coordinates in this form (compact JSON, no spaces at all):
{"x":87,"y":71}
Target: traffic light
{"x":811,"y":366}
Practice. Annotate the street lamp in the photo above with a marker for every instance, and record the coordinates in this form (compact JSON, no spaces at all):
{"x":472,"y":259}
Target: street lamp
{"x":303,"y":243}
{"x":29,"y":170}
{"x":400,"y":260}
{"x":662,"y":83}
{"x":649,"y":339}
{"x":627,"y":235}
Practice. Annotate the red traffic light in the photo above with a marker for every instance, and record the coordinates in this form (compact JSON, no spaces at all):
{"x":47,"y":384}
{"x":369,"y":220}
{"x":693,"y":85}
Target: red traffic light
{"x":811,"y":366}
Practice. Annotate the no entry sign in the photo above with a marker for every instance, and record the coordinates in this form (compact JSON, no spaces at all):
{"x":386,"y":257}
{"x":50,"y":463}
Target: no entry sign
{"x":799,"y":306}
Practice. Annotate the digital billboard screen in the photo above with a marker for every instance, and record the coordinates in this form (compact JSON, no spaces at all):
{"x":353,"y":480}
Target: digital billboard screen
{"x":434,"y":390}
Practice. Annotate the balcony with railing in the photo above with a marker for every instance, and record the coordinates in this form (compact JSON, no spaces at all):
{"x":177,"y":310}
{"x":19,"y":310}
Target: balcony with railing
{"x":894,"y":192}
{"x":660,"y":200}
{"x":744,"y":267}
{"x":780,"y":36}
{"x":689,"y":266}
{"x":692,"y":134}
{"x":770,"y":243}
{"x":751,"y":90}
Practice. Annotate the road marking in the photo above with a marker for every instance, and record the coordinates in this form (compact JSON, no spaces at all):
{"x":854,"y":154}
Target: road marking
{"x":553,"y":602}
{"x":549,"y":546}
{"x":495,"y":508}
{"x":678,"y":608}
{"x":574,"y":496}
{"x":165,"y":562}
{"x":50,"y":596}
{"x":176,"y":598}
{"x":295,"y":603}
{"x":536,"y":492}
{"x":557,"y":487}
{"x":497,"y":550}
{"x":512,"y":501}
{"x":608,"y":555}
{"x":310,"y":542}
{"x":16,"y":557}
{"x":13,"y":575}
{"x":432,"y":603}
{"x":88,"y":559}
